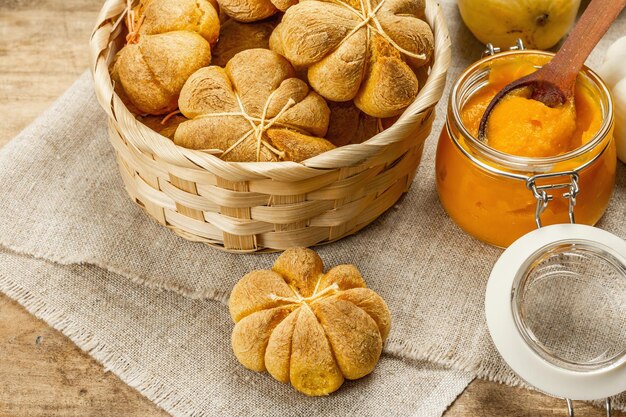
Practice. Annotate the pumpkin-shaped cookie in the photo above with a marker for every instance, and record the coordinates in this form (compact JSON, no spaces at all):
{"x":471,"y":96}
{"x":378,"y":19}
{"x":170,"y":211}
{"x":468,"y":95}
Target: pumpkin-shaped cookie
{"x":307,"y":327}
{"x":153,"y":71}
{"x":253,"y":110}
{"x":358,"y":50}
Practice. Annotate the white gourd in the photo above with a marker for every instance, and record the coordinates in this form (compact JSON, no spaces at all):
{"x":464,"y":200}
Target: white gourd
{"x":613,"y":72}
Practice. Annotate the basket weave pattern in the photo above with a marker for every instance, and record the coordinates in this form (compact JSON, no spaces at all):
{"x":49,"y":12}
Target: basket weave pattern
{"x":257,"y":206}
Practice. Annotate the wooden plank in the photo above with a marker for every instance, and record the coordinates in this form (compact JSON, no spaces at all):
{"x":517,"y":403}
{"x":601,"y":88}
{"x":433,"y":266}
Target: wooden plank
{"x":42,"y":373}
{"x":43,"y":49}
{"x":488,"y":399}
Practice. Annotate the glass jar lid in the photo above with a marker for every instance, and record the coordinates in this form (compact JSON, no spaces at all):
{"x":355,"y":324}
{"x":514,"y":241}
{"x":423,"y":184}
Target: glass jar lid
{"x":556,"y":310}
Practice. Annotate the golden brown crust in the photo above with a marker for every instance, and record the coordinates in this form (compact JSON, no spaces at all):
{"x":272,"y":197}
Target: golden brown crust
{"x":169,"y":41}
{"x":296,"y":146}
{"x":287,"y":116}
{"x":313,"y":369}
{"x":403,"y":21}
{"x":252,"y":333}
{"x":254,"y":10}
{"x":338,"y":76}
{"x":153,"y":71}
{"x":117,"y":85}
{"x":372,"y":304}
{"x":358,"y":354}
{"x":311,"y":30}
{"x":389,"y":85}
{"x":278,"y":352}
{"x":254,"y":292}
{"x":301,"y":268}
{"x":248,"y":10}
{"x":344,"y":276}
{"x":306,"y":327}
{"x":199,"y":16}
{"x":236,"y":37}
{"x":348,"y":59}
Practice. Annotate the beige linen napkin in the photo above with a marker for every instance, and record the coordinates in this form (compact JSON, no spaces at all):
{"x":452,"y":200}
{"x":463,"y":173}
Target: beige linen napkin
{"x":62,"y":201}
{"x":176,"y":351}
{"x":66,"y":225}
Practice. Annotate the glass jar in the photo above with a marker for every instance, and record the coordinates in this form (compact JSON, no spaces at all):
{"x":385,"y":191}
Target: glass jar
{"x":554,"y":307}
{"x":497,"y":197}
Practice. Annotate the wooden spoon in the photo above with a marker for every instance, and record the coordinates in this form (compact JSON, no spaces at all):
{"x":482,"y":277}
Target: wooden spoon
{"x":554,"y":83}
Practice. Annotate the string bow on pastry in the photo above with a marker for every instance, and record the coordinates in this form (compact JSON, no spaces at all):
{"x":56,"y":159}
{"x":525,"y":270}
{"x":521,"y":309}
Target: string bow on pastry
{"x":254,"y":109}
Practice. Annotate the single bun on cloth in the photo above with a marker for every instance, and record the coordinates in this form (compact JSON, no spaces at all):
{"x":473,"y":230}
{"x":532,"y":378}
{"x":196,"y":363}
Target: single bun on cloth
{"x":306,"y":327}
{"x":254,"y":109}
{"x":153,"y":70}
{"x":358,"y":51}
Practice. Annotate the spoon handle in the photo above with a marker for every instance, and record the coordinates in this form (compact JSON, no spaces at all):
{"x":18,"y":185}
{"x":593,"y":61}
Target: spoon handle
{"x":592,"y":25}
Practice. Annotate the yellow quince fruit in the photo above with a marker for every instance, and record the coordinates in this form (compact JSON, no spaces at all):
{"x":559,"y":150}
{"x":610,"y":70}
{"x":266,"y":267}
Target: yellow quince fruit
{"x":539,"y":23}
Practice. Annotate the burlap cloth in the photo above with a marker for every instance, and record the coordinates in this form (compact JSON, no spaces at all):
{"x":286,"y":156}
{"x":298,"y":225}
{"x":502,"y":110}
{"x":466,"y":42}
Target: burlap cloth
{"x":76,"y":252}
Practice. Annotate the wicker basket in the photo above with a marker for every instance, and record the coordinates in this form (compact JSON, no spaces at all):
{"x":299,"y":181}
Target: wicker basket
{"x":257,"y":206}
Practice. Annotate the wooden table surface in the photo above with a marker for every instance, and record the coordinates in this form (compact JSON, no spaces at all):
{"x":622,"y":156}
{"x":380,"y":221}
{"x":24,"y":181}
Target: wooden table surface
{"x":43,"y":49}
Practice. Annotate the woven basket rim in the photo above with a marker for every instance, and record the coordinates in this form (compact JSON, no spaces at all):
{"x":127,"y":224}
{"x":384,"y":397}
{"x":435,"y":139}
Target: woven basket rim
{"x":340,"y":157}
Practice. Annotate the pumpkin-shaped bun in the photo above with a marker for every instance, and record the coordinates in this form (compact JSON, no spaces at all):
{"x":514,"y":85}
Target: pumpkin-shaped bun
{"x":253,"y":110}
{"x":306,"y":327}
{"x":168,"y":40}
{"x":198,"y":16}
{"x":358,"y":50}
{"x":154,"y":70}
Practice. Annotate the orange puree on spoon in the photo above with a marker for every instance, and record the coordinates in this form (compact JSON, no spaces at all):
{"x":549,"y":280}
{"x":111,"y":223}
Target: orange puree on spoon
{"x":524,"y":127}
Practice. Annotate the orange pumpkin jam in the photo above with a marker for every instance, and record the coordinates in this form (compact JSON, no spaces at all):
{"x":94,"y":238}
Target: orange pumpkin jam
{"x":524,"y":127}
{"x":485,"y":191}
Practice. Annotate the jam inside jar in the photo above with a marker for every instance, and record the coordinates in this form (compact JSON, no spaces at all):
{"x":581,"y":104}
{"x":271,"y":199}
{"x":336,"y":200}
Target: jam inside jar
{"x":498,"y":197}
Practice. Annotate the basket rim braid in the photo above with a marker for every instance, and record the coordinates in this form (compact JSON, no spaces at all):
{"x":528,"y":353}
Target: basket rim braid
{"x":253,"y":206}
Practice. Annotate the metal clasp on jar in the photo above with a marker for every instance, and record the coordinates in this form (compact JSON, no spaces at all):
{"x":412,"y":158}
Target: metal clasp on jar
{"x":541,"y":192}
{"x":492,"y":50}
